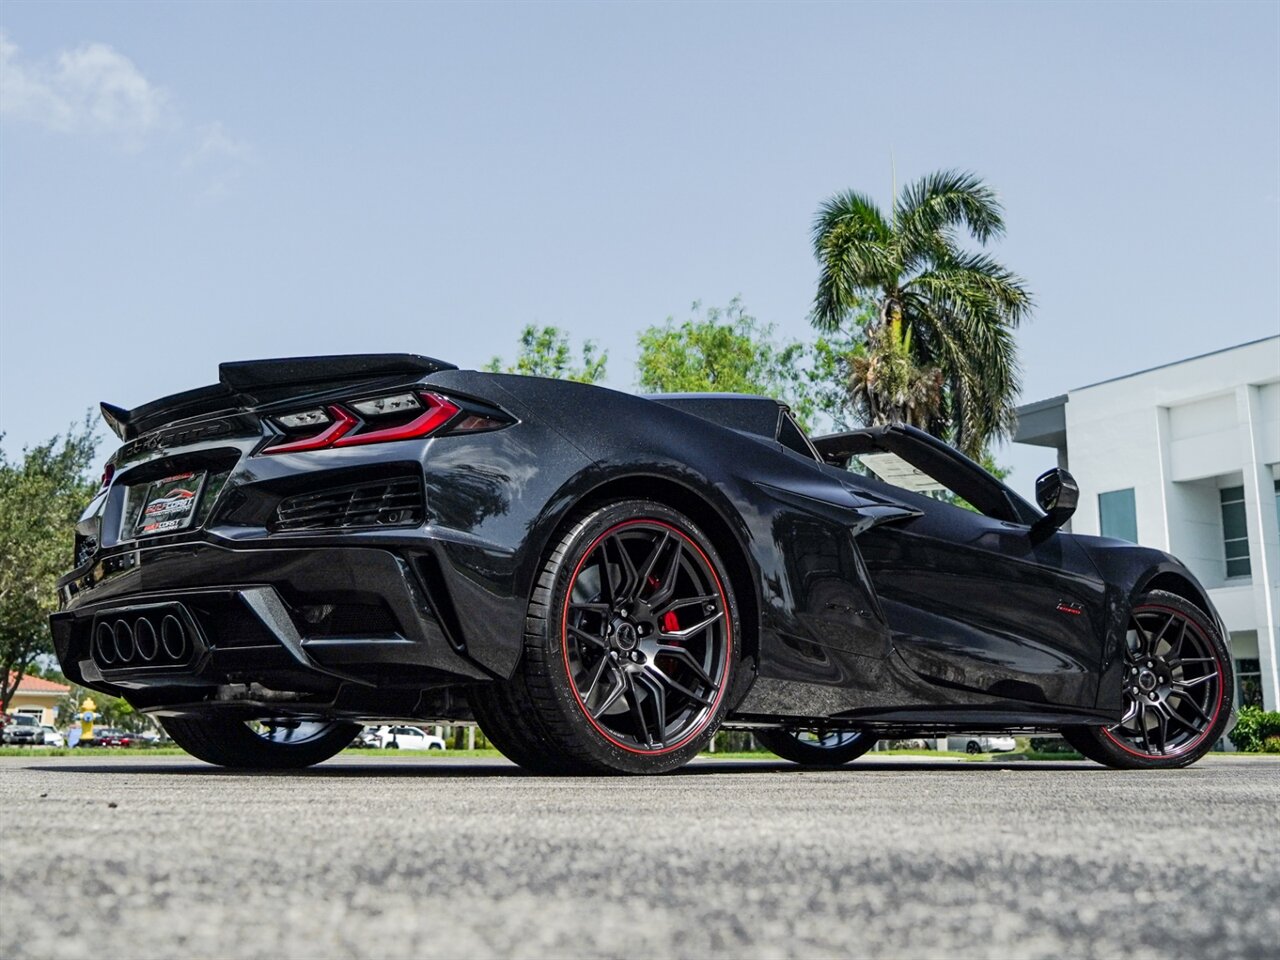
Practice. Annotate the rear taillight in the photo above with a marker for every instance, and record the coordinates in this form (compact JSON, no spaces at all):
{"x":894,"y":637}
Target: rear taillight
{"x":108,"y":472}
{"x":401,"y":416}
{"x":340,"y":423}
{"x":436,"y":413}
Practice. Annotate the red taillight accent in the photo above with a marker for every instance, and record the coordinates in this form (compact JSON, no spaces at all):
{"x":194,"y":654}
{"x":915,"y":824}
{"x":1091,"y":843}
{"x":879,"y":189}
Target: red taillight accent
{"x":342,"y":423}
{"x":438,"y":412}
{"x":108,"y":472}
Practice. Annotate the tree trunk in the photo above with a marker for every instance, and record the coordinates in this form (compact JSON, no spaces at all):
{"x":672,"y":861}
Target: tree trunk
{"x":9,"y":682}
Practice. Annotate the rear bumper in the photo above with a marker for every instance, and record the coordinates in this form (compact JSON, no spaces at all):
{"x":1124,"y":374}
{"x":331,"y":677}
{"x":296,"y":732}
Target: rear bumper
{"x":310,"y":621}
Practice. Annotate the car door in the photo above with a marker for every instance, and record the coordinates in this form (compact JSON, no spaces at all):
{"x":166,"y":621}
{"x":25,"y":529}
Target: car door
{"x":975,"y":604}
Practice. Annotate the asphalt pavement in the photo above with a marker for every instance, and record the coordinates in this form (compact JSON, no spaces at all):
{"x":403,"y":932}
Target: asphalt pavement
{"x":448,"y":857}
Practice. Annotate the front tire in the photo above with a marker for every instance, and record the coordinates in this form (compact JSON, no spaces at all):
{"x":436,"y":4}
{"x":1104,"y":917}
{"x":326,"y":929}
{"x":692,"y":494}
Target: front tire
{"x":267,"y":745}
{"x":631,"y":647}
{"x":1178,"y":690}
{"x":817,"y":748}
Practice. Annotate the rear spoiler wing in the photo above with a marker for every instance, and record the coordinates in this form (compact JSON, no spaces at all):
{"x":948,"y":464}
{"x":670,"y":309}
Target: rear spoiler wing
{"x":246,"y":383}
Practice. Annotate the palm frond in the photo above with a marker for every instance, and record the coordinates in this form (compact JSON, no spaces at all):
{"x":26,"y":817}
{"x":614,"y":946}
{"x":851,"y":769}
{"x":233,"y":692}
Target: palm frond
{"x":851,"y":241}
{"x":945,"y":199}
{"x":975,"y":345}
{"x":854,"y":211}
{"x":978,"y":276}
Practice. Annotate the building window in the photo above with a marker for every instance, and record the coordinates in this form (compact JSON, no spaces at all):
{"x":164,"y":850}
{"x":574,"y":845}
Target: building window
{"x":1235,"y":533}
{"x":1119,"y":515}
{"x":1249,"y":683}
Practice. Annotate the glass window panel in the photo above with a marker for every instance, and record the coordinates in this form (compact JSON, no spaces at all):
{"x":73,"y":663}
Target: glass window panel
{"x":1119,"y":515}
{"x":1238,"y":568}
{"x":1249,"y":683}
{"x":1237,"y":549}
{"x":1234,"y":525}
{"x":1235,"y":532}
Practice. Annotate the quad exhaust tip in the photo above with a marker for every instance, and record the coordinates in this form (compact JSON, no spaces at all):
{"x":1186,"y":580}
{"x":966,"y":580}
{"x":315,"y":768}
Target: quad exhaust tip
{"x":174,"y":637}
{"x":125,"y":647}
{"x":146,"y":639}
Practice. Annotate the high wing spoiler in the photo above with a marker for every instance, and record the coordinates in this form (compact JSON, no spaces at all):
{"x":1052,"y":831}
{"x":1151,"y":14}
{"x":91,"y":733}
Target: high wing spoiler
{"x":247,"y":383}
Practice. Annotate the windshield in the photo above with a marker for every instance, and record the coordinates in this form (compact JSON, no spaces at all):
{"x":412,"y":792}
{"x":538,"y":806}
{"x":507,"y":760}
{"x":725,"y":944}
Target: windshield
{"x":921,"y":465}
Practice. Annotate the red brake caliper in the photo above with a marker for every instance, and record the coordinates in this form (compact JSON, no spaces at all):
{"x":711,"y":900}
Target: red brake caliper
{"x":670,"y":622}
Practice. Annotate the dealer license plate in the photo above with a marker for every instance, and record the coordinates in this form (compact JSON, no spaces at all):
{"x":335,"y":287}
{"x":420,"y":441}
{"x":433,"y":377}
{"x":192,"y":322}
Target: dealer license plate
{"x":170,"y":504}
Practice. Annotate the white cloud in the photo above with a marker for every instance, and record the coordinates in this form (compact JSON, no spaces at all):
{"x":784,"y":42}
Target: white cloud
{"x":91,"y":88}
{"x":217,"y":145}
{"x":96,"y":90}
{"x":218,"y":158}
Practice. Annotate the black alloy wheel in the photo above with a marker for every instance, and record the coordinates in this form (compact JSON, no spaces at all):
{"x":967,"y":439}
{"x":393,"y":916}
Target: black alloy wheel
{"x":281,"y":743}
{"x":1177,"y":689}
{"x":816,"y":746}
{"x":973,"y":748}
{"x":630,"y":652}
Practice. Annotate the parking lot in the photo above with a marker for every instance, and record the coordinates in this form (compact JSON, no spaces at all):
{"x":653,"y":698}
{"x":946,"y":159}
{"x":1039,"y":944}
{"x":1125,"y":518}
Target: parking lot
{"x":443,"y":857}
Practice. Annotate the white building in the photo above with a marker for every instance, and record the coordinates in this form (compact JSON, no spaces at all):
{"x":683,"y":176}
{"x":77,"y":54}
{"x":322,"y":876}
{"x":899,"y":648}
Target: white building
{"x":1186,"y":458}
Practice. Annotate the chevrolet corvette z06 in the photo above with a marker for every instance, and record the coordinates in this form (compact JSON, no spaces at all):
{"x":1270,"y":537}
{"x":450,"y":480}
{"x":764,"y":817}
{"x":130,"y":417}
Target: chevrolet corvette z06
{"x":601,"y":580}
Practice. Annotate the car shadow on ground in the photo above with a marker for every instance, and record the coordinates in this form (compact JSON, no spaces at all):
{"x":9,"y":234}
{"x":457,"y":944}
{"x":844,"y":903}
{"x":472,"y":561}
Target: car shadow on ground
{"x":481,"y":769}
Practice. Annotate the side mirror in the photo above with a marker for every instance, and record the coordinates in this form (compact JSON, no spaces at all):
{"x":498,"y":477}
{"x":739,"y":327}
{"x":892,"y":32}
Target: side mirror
{"x":1057,"y":493}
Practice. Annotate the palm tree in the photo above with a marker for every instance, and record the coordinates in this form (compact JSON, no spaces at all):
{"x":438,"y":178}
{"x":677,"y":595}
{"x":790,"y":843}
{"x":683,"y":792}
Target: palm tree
{"x":961,"y":305}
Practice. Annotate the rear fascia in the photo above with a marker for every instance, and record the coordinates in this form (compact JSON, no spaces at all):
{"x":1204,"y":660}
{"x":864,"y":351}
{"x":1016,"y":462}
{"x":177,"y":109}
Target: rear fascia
{"x":456,"y":582}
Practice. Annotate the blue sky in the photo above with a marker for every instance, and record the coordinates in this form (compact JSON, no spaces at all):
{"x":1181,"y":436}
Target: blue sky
{"x":186,"y":183}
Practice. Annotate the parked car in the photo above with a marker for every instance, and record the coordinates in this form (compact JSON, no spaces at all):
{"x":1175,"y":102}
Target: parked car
{"x":972,"y":743}
{"x":406,"y":738}
{"x":23,"y":729}
{"x":102,"y":737}
{"x":602,"y":581}
{"x":52,"y":736}
{"x":113,"y":737}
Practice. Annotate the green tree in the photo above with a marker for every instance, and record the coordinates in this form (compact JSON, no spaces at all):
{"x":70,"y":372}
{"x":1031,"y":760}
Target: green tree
{"x":41,"y":497}
{"x":961,"y":306}
{"x":724,"y":350}
{"x":545,"y":352}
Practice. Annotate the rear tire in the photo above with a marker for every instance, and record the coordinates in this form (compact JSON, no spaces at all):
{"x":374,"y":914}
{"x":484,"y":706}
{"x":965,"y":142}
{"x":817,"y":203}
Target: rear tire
{"x":233,"y":743}
{"x":631,"y":649}
{"x":1178,"y":689}
{"x":835,"y":749}
{"x":515,"y":733}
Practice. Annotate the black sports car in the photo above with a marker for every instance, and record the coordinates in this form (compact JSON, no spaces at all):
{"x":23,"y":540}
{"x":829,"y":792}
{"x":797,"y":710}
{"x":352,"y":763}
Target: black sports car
{"x":601,"y":581}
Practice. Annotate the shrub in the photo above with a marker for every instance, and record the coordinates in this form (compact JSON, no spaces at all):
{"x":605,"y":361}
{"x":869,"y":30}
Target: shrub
{"x":1271,"y":745}
{"x":1255,"y":728}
